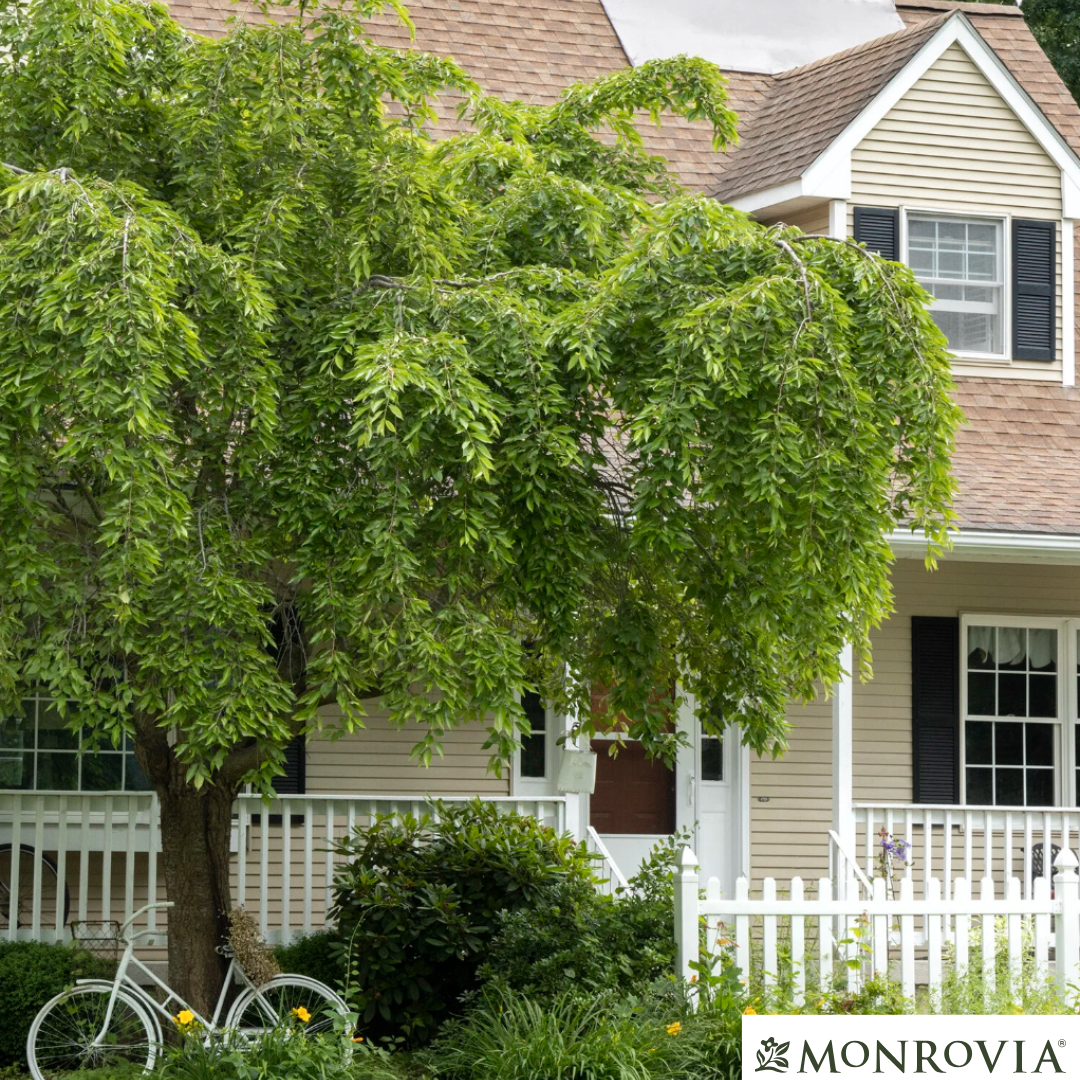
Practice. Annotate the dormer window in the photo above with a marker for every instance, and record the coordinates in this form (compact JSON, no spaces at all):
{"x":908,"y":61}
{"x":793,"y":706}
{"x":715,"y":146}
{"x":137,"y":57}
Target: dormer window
{"x":994,"y":280}
{"x":960,"y":262}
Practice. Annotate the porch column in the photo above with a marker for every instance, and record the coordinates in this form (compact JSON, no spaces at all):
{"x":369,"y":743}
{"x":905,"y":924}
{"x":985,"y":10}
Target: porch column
{"x":843,"y":787}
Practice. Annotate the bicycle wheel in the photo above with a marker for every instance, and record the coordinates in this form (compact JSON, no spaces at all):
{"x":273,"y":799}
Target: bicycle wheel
{"x":54,"y":907}
{"x":285,"y":1000}
{"x":64,"y":1036}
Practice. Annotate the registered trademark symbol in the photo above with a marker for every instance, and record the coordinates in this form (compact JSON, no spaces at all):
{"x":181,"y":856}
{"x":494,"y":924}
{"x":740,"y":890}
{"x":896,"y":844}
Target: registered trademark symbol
{"x":1061,"y":1042}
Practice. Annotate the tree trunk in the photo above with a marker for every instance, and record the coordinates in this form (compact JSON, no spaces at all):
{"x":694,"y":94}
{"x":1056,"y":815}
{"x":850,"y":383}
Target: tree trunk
{"x":195,"y":827}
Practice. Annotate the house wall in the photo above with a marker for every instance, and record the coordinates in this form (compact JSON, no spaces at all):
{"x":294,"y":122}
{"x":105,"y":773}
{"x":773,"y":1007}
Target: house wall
{"x":953,"y":144}
{"x":788,"y":834}
{"x":375,"y":761}
{"x":812,"y":219}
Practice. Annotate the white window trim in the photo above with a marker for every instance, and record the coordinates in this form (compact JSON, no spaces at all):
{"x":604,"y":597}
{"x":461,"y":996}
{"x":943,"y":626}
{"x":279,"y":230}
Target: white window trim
{"x":538,"y":786}
{"x":1067,"y":718}
{"x":1005,"y":357}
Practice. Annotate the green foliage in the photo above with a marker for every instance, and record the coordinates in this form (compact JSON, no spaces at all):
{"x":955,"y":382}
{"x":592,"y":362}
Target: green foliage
{"x":418,"y":903}
{"x":1056,"y":26}
{"x":274,"y":357}
{"x":278,"y":1054}
{"x":510,"y":1037}
{"x":318,"y":955}
{"x":587,"y":942}
{"x":30,"y":974}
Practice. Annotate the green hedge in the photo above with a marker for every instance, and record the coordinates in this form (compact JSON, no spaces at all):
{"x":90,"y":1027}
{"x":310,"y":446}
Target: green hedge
{"x":30,"y":974}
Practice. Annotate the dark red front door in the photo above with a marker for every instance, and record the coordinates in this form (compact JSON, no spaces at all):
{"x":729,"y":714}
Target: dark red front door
{"x":632,"y":794}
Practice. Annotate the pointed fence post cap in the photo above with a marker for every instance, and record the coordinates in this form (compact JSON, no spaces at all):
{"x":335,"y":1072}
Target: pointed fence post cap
{"x":1066,"y":862}
{"x":687,"y":859}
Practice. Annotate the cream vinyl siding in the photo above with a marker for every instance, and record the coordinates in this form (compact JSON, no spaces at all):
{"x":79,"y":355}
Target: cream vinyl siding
{"x":788,"y":834}
{"x":375,"y":761}
{"x":813,"y":219}
{"x":953,"y":144}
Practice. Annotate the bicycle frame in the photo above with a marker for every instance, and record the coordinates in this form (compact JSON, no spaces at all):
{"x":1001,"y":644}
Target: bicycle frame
{"x":122,"y":979}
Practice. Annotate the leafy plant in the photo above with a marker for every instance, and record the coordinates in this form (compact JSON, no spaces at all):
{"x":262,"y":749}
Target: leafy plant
{"x":31,"y":973}
{"x":418,"y":903}
{"x":590,"y":942}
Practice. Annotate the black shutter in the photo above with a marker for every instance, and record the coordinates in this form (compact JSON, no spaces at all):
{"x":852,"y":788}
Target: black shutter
{"x":935,"y":709}
{"x":879,"y":229}
{"x":294,"y":782}
{"x":1034,"y":280}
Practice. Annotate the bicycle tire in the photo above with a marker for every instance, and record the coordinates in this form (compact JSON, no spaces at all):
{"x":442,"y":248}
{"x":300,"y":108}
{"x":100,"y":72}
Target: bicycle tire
{"x":262,"y":1009}
{"x":61,"y":1037}
{"x":26,"y":881}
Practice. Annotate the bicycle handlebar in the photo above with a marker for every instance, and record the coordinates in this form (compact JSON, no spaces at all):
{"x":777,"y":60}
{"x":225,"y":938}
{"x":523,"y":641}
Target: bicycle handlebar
{"x":148,"y":907}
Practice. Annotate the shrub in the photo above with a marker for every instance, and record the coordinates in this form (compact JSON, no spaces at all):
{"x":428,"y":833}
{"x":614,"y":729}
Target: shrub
{"x":30,"y":974}
{"x":588,"y":942}
{"x":318,"y":955}
{"x":418,"y":904}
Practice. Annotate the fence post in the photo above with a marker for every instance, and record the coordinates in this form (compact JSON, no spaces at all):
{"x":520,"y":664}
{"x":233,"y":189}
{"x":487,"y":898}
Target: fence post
{"x":1067,"y":938}
{"x":687,"y":947}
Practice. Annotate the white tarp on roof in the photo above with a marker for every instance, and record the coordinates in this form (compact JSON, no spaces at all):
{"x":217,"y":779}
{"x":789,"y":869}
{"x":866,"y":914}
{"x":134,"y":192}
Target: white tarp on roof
{"x":748,"y":35}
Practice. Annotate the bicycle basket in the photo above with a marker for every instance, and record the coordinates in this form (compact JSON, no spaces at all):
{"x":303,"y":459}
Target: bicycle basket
{"x":99,"y":937}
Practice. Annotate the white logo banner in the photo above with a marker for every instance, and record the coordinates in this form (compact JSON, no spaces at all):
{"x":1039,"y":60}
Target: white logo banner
{"x":929,"y":1046}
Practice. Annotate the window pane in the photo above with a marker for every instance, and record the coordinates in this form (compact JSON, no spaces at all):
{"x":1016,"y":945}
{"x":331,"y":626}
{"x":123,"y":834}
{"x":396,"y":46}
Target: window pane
{"x":1012,"y":695}
{"x":1040,"y":787}
{"x":1012,"y":648}
{"x":978,"y":742}
{"x":533,"y":706}
{"x":980,"y":787}
{"x":17,"y":733}
{"x":1010,"y":787}
{"x":57,"y":772}
{"x":134,"y":778}
{"x":102,"y":772}
{"x":1008,"y":744}
{"x":1040,"y":743}
{"x":534,"y":755}
{"x":981,"y":647}
{"x":53,"y":732}
{"x":1043,"y":695}
{"x":1042,"y":650}
{"x":16,"y":770}
{"x":981,"y":695}
{"x":712,"y":758}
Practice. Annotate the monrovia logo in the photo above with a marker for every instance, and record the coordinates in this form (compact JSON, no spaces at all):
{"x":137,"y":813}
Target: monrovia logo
{"x":770,"y":1058}
{"x":911,"y":1046}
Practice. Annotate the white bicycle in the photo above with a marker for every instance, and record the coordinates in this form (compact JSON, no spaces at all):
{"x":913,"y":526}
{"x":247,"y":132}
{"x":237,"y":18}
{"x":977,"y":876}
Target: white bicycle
{"x":98,"y":1024}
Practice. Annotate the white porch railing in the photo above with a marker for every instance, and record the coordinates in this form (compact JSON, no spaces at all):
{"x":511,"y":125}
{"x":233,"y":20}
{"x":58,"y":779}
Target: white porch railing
{"x":970,"y":842}
{"x":890,"y":930}
{"x":611,"y":877}
{"x":78,"y":857}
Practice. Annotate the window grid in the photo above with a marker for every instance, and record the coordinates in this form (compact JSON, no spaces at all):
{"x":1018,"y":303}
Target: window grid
{"x":712,"y":757}
{"x":38,"y":752}
{"x":960,"y":262}
{"x":1011,"y":731}
{"x":533,"y":758}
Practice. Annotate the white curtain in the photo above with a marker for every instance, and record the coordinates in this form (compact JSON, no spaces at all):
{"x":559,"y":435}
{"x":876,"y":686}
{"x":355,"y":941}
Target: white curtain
{"x":980,"y":644}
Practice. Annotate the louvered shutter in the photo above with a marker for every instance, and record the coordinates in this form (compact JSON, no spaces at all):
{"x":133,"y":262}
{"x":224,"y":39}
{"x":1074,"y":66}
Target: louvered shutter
{"x":935,"y":709}
{"x":294,"y":782}
{"x":879,"y":229}
{"x":1034,"y":280}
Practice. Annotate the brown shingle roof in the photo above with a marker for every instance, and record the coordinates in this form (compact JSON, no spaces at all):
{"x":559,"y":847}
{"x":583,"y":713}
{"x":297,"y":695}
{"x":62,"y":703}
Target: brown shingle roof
{"x":530,"y":52}
{"x":810,"y":106}
{"x":1018,"y":457}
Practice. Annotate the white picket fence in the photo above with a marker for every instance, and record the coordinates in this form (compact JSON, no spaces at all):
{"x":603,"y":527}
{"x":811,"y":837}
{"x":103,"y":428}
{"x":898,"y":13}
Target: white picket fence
{"x":882,"y":933}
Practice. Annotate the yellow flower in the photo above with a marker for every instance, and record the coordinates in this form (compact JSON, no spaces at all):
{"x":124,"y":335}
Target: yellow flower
{"x":358,"y":1038}
{"x":302,"y":1014}
{"x":674,"y":1029}
{"x":184,"y":1018}
{"x":821,"y":1004}
{"x":749,"y":1011}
